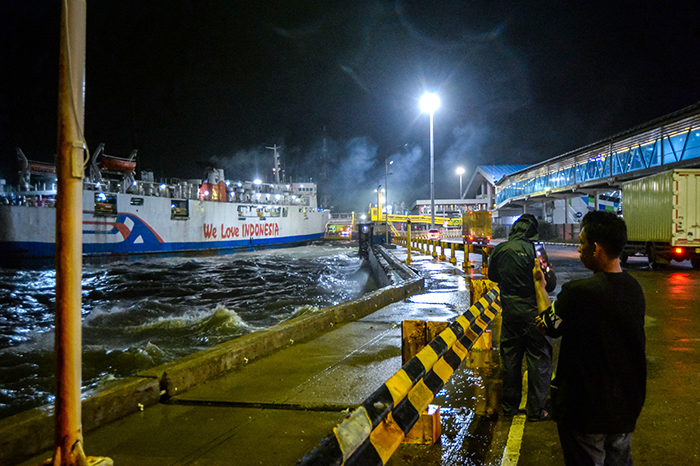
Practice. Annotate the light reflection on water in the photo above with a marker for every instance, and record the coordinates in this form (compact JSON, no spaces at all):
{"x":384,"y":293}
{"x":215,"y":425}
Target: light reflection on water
{"x":137,"y":315}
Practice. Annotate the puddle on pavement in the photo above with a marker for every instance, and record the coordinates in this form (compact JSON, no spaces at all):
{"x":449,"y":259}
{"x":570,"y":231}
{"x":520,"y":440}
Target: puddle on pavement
{"x":433,"y":298}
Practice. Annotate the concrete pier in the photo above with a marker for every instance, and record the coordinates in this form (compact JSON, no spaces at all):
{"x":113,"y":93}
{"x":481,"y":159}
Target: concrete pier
{"x":274,"y":409}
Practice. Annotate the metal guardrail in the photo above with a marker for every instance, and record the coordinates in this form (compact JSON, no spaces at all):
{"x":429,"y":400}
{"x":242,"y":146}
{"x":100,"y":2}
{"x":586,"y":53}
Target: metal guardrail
{"x":370,"y":434}
{"x":445,"y":233}
{"x":425,"y":219}
{"x":423,"y":246}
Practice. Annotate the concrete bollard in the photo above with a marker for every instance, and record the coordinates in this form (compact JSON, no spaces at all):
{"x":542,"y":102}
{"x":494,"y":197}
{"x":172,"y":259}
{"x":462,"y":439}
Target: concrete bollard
{"x":435,"y":254}
{"x":442,"y":251}
{"x":453,"y":259}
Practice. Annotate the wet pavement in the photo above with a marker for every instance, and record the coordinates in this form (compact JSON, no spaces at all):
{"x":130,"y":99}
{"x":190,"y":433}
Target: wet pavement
{"x":279,"y":407}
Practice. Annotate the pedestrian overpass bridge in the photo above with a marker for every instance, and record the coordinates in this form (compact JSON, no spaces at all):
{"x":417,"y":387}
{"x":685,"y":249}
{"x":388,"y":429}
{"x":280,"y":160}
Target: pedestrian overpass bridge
{"x":672,"y":141}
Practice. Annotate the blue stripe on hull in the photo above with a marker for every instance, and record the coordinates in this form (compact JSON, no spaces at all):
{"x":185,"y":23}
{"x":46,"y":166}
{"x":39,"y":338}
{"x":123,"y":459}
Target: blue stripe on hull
{"x":22,"y":254}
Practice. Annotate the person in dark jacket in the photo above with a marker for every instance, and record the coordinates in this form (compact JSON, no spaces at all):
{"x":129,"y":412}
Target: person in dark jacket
{"x":511,"y":267}
{"x":600,"y":386}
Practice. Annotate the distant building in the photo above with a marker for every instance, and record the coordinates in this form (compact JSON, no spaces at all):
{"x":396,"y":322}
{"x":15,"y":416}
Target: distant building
{"x":479,"y":194}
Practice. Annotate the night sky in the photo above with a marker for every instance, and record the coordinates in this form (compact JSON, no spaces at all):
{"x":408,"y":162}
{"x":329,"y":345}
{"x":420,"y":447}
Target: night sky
{"x":336,"y":84}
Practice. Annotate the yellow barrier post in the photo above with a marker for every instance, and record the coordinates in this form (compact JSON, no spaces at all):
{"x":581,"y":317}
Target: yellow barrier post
{"x":453,"y":259}
{"x":466,"y":264}
{"x":485,"y":254}
{"x":422,"y":245}
{"x":435,"y":245}
{"x":477,"y":290}
{"x":442,"y":251}
{"x":416,"y":335}
{"x":408,"y":242}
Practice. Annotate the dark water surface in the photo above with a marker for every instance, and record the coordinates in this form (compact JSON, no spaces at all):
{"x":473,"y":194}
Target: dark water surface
{"x":137,"y":315}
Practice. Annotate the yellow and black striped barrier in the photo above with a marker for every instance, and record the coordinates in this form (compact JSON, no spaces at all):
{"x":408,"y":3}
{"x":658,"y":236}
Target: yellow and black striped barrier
{"x":373,"y":431}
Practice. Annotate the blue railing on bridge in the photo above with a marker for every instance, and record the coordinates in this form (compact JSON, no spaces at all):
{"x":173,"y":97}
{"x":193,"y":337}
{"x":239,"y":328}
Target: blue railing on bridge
{"x":664,"y":142}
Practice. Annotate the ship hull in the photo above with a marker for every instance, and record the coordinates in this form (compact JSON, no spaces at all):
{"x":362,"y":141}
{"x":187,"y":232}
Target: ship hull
{"x":136,"y":226}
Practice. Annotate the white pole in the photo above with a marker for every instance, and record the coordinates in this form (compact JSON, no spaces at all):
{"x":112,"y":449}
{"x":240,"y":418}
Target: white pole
{"x":432,"y":175}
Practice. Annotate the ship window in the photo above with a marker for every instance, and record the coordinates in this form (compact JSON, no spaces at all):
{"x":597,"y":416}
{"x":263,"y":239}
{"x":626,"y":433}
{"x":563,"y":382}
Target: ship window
{"x":247,"y":211}
{"x":275,"y":212}
{"x":284,"y":211}
{"x":178,"y":209}
{"x":136,"y":201}
{"x":105,"y":204}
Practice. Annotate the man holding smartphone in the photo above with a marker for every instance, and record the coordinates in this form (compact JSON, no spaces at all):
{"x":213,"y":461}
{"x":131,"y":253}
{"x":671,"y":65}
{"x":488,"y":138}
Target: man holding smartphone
{"x":511,"y":267}
{"x":600,"y":386}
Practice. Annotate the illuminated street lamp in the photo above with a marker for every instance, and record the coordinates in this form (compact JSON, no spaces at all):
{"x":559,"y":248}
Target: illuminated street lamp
{"x":379,"y":192}
{"x":428,"y":104}
{"x":386,"y":184}
{"x":460,"y":172}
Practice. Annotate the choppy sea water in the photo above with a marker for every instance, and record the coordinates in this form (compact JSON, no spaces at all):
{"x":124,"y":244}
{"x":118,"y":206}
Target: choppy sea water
{"x":137,"y":315}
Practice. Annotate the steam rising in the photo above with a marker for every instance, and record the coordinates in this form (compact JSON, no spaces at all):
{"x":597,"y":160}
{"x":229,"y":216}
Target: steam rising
{"x":349,"y":172}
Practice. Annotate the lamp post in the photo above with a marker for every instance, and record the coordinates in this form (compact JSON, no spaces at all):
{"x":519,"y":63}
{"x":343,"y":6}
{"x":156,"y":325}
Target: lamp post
{"x":428,"y":104}
{"x":386,"y":197}
{"x":386,"y":185}
{"x":379,"y":202}
{"x":460,"y":172}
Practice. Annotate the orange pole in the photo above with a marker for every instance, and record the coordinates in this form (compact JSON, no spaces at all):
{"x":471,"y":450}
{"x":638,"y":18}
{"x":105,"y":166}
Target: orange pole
{"x":69,"y":244}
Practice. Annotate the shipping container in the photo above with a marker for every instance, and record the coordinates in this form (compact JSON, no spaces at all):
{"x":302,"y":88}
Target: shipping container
{"x":662,"y":213}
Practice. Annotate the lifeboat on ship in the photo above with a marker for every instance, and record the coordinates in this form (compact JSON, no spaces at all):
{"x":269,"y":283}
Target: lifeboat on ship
{"x":114,"y":167}
{"x":117,"y":164}
{"x":32,"y":166}
{"x":112,"y":164}
{"x":41,"y":167}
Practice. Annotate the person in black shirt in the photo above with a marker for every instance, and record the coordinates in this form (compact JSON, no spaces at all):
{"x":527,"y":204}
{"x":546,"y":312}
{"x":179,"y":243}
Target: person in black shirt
{"x":600,"y":383}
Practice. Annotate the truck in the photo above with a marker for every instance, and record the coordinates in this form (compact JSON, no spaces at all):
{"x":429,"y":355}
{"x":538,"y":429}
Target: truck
{"x":476,"y":227}
{"x":662,"y":213}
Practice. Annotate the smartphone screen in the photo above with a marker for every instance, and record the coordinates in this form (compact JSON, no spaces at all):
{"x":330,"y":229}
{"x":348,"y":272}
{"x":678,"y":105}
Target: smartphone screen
{"x":542,"y":255}
{"x":539,"y":248}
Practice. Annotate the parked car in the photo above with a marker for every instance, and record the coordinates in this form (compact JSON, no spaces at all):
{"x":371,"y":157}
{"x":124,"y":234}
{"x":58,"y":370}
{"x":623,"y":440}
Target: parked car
{"x":433,"y":234}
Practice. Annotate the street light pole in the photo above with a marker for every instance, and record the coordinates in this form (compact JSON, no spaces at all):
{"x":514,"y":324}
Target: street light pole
{"x":386,"y":197}
{"x":432,"y":175}
{"x":460,"y":172}
{"x":429,"y":103}
{"x":379,"y":203}
{"x":386,"y":186}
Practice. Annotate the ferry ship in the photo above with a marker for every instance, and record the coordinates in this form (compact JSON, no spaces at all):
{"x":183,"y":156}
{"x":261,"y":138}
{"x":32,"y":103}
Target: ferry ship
{"x":125,"y":217}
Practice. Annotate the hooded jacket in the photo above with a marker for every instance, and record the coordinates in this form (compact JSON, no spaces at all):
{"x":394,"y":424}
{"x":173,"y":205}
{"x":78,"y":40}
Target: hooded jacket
{"x":511,"y":266}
